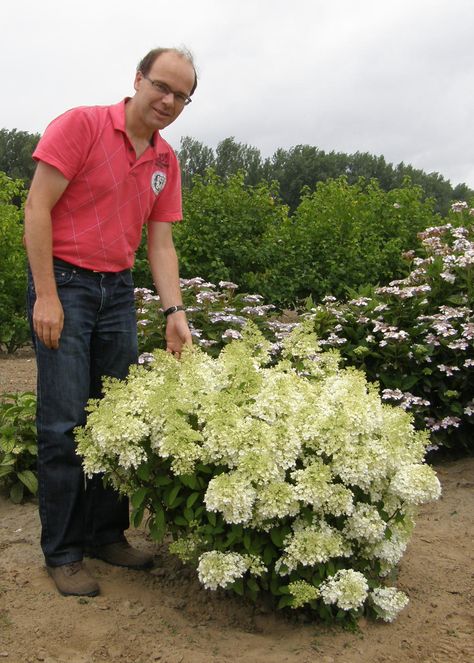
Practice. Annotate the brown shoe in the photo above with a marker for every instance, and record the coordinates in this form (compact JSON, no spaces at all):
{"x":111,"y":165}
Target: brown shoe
{"x":121,"y":553}
{"x":73,"y":580}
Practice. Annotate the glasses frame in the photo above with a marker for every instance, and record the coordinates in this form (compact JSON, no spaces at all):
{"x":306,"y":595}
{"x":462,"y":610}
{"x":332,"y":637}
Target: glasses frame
{"x":164,"y":89}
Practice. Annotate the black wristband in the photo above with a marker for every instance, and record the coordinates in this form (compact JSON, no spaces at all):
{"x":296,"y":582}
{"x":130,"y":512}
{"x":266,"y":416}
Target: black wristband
{"x":173,"y":309}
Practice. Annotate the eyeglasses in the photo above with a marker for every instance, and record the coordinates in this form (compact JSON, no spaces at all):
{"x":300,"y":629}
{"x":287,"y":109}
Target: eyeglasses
{"x":179,"y":97}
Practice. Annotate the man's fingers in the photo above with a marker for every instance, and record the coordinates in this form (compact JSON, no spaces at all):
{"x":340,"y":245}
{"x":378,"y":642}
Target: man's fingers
{"x":48,"y":335}
{"x":48,"y":321}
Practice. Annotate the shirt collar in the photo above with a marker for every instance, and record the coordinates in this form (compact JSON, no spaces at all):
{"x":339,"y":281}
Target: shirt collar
{"x":117,"y":113}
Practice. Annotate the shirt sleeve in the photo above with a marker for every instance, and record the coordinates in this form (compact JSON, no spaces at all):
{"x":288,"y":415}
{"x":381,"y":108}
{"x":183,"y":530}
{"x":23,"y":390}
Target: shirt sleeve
{"x":168,"y":204}
{"x":66,"y":142}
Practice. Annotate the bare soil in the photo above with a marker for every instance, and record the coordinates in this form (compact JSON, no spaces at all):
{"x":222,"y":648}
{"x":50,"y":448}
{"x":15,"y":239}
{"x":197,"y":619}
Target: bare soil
{"x":164,"y":615}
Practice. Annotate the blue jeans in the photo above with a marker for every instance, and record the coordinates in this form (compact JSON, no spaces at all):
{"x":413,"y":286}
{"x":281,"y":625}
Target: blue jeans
{"x":99,"y":338}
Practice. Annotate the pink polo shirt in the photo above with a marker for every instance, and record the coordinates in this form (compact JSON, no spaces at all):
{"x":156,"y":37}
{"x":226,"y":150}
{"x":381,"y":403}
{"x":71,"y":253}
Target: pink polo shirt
{"x":98,"y":221}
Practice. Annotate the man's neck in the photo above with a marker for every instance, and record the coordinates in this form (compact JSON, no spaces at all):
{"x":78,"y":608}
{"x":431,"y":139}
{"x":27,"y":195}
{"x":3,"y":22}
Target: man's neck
{"x":140,"y":136}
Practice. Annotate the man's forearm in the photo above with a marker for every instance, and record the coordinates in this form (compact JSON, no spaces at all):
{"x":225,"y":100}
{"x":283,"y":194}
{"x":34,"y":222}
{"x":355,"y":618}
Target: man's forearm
{"x":165,"y":272}
{"x":164,"y":267}
{"x":48,"y":316}
{"x":38,"y":240}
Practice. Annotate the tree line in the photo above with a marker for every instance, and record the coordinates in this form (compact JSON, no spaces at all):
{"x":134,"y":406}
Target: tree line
{"x":295,"y":170}
{"x":303,"y":166}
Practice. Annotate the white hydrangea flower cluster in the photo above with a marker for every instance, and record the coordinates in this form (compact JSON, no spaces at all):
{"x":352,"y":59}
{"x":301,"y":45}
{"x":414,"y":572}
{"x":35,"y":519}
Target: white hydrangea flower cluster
{"x":275,"y":500}
{"x":388,"y":602}
{"x":233,"y":495}
{"x":219,"y":569}
{"x":389,"y":551}
{"x":255,"y":565}
{"x":339,"y":500}
{"x":347,"y":588}
{"x":290,"y":443}
{"x":365,"y":524}
{"x":416,"y":484}
{"x":309,"y":545}
{"x":302,"y":593}
{"x":186,"y":547}
{"x":312,"y":484}
{"x":118,"y":432}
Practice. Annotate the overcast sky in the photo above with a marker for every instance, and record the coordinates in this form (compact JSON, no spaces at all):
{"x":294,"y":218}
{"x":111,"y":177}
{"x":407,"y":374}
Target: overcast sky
{"x":391,"y":77}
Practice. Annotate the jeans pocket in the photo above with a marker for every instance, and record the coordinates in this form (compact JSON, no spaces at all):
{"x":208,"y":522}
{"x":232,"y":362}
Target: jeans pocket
{"x":63,"y":275}
{"x":127,"y":278}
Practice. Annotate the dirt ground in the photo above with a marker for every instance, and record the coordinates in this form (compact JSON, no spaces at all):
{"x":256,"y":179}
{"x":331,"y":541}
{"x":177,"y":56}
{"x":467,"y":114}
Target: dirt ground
{"x":164,"y":615}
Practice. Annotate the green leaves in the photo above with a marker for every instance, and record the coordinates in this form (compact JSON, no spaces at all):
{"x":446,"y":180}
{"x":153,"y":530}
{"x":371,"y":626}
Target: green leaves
{"x":16,"y":493}
{"x":191,"y":500}
{"x":14,"y":330}
{"x":28,"y":479}
{"x":158,"y":524}
{"x":278,"y":534}
{"x":171,"y":494}
{"x":138,"y":497}
{"x":18,"y":448}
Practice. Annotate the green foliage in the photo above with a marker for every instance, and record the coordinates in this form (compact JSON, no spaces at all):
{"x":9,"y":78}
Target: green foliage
{"x":14,"y":330}
{"x":348,"y":232}
{"x":341,"y":236}
{"x":18,"y":448}
{"x":16,"y":148}
{"x":303,"y":166}
{"x":194,"y":159}
{"x":141,"y":268}
{"x":229,"y":158}
{"x":233,"y":157}
{"x":226,"y":230}
{"x":344,"y":236}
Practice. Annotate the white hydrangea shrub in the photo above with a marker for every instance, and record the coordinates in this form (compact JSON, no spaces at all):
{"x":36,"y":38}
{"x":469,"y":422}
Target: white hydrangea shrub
{"x":299,"y":443}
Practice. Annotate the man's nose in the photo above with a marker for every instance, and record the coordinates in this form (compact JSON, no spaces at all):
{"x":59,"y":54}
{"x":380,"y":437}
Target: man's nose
{"x":169,"y":97}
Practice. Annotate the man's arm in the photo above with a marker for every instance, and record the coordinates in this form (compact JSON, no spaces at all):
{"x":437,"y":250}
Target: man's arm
{"x":164,"y":268}
{"x":47,"y":187}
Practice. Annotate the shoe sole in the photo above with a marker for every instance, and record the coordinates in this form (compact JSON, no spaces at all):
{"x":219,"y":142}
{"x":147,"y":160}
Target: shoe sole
{"x":89,"y":595}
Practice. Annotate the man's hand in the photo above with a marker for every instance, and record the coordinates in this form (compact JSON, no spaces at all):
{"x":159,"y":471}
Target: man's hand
{"x":48,"y":321}
{"x":177,"y":333}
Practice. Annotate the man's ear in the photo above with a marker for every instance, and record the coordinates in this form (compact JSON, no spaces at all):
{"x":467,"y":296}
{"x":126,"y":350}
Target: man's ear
{"x":138,"y":78}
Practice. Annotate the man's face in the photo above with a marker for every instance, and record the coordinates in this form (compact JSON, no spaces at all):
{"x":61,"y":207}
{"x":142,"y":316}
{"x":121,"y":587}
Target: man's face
{"x":160,"y":96}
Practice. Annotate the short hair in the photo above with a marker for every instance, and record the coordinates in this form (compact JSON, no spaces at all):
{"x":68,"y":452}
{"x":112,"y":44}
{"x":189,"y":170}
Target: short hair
{"x":150,"y":58}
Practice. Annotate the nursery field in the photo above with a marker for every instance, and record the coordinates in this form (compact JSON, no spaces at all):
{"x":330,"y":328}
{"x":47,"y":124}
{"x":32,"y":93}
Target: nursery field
{"x":165,"y":615}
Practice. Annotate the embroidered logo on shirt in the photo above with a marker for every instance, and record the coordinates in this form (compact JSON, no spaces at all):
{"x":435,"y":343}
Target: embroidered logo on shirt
{"x":158,"y":181}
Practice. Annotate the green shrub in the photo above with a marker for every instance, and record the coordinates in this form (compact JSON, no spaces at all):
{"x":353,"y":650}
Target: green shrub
{"x":344,"y":236}
{"x":14,"y":330}
{"x":18,"y":448}
{"x":340,"y":236}
{"x":226,"y":230}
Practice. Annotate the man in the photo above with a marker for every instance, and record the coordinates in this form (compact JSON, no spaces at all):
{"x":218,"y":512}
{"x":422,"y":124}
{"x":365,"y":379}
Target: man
{"x":102,"y":173}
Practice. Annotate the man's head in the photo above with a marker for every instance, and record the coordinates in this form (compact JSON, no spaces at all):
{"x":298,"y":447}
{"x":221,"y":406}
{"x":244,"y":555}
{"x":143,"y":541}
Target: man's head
{"x":164,"y":82}
{"x":148,"y":61}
